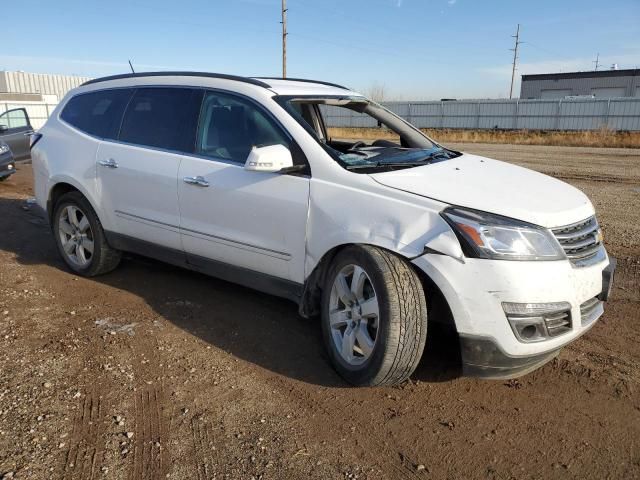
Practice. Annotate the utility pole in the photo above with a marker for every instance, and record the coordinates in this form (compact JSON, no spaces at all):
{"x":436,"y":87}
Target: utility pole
{"x":597,"y":61}
{"x":284,"y":38}
{"x":515,"y":59}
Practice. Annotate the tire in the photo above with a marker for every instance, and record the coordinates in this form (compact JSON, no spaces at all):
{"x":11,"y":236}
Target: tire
{"x":86,"y":230}
{"x":394,"y":338}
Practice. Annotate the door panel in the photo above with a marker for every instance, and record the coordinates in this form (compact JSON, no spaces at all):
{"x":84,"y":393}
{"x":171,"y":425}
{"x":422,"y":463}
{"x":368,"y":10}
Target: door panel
{"x":17,"y":134}
{"x":253,"y":220}
{"x":247,"y":219}
{"x":137,"y":179}
{"x":137,"y":187}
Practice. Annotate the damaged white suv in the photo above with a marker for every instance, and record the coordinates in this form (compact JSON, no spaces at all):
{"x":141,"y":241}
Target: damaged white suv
{"x":240,"y":178}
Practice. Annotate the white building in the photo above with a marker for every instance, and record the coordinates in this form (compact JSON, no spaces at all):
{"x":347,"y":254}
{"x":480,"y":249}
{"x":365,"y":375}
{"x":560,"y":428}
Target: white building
{"x":45,"y":85}
{"x":39,"y":93}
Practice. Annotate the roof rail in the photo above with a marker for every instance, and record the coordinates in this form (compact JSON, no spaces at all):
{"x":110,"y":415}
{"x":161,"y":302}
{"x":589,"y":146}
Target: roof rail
{"x":252,"y":81}
{"x":303,"y":80}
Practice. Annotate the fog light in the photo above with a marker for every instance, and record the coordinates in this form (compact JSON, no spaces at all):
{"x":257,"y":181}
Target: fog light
{"x":10,"y":166}
{"x":537,"y":322}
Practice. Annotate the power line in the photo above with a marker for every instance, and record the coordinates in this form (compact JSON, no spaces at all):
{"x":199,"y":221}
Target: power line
{"x":515,"y":59}
{"x":284,"y":38}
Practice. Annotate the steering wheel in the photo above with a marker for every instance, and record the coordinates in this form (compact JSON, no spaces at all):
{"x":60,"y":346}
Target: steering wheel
{"x":358,"y":144}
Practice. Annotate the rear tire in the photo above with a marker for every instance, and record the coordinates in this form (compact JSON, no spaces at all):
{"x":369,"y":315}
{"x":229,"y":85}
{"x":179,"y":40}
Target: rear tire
{"x":80,"y":237}
{"x":374,"y":316}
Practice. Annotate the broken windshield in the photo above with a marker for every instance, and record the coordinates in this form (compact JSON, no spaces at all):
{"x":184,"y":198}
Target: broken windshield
{"x":360,"y":134}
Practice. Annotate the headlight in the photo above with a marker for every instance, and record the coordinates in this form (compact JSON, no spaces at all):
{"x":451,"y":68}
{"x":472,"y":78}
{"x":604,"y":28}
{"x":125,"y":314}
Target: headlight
{"x":485,"y":235}
{"x":4,"y":148}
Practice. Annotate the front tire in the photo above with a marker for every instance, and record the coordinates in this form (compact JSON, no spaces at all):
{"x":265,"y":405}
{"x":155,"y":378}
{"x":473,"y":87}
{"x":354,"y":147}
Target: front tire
{"x":374,"y":316}
{"x":80,"y":237}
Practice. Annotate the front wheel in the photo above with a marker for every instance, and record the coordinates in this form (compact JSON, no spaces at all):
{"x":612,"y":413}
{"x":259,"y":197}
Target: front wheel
{"x":374,"y":316}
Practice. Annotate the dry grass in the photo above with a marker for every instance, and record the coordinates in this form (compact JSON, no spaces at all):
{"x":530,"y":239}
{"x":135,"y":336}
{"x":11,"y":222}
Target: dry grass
{"x":595,"y":138}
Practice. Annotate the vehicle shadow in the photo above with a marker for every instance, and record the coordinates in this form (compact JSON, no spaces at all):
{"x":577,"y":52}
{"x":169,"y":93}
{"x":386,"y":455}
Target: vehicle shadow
{"x":258,"y":328}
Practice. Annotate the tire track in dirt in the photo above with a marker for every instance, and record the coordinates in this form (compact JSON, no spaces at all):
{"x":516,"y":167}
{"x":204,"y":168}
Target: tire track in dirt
{"x":202,"y":447}
{"x":204,"y":443}
{"x":87,"y":449}
{"x":150,"y":435}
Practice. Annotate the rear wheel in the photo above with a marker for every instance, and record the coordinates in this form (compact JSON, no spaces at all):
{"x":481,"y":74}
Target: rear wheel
{"x":374,"y":316}
{"x":80,"y":237}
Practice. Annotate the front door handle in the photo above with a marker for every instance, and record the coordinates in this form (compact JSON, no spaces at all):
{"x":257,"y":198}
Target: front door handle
{"x":198,"y":181}
{"x":109,"y":163}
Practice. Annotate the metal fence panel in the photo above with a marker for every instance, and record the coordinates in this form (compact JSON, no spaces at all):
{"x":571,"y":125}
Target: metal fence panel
{"x":620,"y":114}
{"x":561,"y":114}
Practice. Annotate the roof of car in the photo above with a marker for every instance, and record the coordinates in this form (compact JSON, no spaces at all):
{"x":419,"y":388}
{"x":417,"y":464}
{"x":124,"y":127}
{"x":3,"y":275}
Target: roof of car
{"x":281,"y":86}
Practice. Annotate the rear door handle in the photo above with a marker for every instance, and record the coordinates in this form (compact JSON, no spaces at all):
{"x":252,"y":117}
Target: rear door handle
{"x":198,"y":181}
{"x":109,"y":163}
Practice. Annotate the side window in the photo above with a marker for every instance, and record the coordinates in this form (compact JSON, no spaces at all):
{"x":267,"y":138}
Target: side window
{"x":163,"y":118}
{"x":14,"y":118}
{"x":97,"y":113}
{"x":230,"y":126}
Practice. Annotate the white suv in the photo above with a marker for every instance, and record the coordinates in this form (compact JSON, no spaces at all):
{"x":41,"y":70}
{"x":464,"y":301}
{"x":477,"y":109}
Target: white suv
{"x":239,"y":178}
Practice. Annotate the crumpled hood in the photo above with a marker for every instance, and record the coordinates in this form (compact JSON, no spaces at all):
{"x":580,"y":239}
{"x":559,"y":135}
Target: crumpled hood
{"x":493,"y":186}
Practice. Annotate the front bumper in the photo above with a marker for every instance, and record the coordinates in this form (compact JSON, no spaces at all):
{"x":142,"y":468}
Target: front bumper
{"x":475,"y":290}
{"x":482,"y":357}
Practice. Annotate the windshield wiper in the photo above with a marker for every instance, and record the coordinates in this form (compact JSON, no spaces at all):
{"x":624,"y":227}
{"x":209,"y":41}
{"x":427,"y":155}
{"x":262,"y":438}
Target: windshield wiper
{"x":426,"y":161}
{"x":388,"y":164}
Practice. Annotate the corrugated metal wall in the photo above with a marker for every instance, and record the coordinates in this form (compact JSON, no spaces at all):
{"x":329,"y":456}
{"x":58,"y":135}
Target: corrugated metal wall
{"x":23,"y":82}
{"x":602,"y":86}
{"x":578,"y":114}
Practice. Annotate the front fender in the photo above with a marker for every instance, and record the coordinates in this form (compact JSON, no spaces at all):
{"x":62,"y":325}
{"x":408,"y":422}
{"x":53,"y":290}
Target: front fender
{"x":403,"y":224}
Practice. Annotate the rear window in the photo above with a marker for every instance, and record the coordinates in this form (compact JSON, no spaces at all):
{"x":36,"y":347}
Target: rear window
{"x":97,"y":113}
{"x":164,"y":118}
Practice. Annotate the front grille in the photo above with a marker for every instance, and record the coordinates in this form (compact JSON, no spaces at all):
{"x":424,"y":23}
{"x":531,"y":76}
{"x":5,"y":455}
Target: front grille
{"x":558,"y":323}
{"x":580,"y":241}
{"x":590,"y":311}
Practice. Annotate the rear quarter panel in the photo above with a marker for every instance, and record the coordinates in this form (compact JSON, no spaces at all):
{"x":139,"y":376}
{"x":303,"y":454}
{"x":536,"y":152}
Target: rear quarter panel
{"x":67,"y":155}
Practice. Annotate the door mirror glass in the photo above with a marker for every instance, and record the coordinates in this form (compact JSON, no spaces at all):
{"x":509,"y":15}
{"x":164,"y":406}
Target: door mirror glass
{"x":273,"y":158}
{"x":3,"y":128}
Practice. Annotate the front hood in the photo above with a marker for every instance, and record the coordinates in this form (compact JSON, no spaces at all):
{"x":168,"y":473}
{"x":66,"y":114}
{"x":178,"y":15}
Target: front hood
{"x":493,"y":186}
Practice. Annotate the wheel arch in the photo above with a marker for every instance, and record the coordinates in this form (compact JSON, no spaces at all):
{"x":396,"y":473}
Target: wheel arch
{"x":61,"y":186}
{"x":309,"y":306}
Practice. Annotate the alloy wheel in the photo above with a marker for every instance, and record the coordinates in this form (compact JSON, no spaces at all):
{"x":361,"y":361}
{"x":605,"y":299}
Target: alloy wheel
{"x":354,"y":315}
{"x":75,"y":235}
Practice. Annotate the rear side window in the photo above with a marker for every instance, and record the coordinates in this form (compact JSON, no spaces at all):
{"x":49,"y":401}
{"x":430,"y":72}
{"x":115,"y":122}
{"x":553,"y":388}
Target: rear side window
{"x":97,"y":113}
{"x":164,"y":118}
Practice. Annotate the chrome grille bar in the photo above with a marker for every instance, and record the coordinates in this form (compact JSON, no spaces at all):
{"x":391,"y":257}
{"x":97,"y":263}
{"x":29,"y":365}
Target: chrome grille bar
{"x":581,"y":240}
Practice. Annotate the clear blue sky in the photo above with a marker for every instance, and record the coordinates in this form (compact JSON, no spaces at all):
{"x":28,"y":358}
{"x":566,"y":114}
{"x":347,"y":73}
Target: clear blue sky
{"x":416,"y":49}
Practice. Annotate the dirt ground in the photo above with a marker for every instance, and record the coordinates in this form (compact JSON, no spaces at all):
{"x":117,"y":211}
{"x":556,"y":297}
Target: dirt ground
{"x":156,"y":372}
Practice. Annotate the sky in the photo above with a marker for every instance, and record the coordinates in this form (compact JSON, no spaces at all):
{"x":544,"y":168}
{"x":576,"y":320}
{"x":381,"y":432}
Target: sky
{"x":412,"y":49}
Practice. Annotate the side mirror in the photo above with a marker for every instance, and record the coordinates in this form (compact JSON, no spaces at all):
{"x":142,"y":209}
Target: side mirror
{"x":3,"y":128}
{"x":269,"y":159}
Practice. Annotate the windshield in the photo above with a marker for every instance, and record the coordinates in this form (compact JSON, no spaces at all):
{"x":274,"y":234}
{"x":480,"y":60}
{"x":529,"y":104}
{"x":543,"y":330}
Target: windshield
{"x":363,"y":135}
